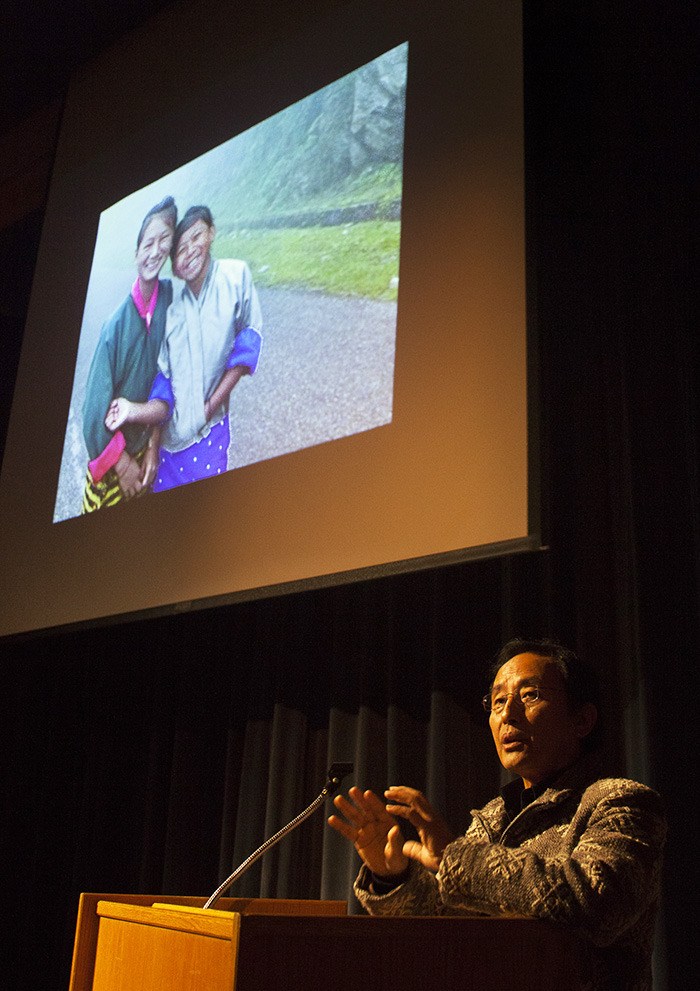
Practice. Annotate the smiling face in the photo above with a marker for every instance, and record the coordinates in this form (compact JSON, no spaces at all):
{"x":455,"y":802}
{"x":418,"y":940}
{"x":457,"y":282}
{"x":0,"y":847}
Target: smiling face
{"x":153,"y":249}
{"x":537,"y":741}
{"x":192,"y":257}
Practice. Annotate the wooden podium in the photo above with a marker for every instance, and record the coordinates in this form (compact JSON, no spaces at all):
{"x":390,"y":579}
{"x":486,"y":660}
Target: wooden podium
{"x":128,"y":943}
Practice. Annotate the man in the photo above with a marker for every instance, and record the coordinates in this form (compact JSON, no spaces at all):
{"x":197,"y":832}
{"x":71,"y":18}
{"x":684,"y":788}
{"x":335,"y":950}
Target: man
{"x":212,"y":339}
{"x":558,"y":844}
{"x":124,"y":364}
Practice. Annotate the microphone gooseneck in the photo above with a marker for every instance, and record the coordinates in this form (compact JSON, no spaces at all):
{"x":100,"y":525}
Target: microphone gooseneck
{"x":336,"y":774}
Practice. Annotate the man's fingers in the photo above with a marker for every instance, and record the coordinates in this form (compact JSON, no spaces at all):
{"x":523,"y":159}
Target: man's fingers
{"x":410,"y":815}
{"x":413,"y":849}
{"x":342,"y":827}
{"x":412,"y":801}
{"x":350,"y":811}
{"x":393,"y":851}
{"x":371,"y":803}
{"x":394,"y":841}
{"x":416,"y":851}
{"x":364,"y":808}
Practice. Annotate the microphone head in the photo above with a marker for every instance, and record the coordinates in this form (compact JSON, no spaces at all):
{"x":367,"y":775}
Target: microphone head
{"x":336,"y":773}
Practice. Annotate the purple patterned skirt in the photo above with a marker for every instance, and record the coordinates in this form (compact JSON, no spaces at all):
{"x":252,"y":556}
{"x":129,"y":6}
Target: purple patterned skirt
{"x":203,"y":459}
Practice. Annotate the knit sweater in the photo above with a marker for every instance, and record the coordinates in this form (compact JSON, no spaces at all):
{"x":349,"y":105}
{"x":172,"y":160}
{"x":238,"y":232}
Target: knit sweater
{"x":585,"y":855}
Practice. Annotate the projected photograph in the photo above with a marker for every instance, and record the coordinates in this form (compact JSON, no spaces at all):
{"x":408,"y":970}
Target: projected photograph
{"x":244,"y":306}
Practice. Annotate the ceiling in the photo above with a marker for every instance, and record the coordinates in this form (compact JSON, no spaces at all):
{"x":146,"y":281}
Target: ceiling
{"x":43,"y":41}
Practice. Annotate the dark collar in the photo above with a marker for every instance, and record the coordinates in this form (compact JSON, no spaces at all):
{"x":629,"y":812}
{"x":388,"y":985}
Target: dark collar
{"x":576,"y":776}
{"x":516,"y":796}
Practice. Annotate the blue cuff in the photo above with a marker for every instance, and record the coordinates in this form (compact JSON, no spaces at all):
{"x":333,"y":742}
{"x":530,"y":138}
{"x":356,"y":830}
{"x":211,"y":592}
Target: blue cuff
{"x":162,"y":389}
{"x":246,"y":350}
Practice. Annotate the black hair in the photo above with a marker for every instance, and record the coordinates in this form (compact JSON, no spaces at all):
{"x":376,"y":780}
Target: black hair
{"x":580,"y":679}
{"x":189,"y":219}
{"x":166,"y":207}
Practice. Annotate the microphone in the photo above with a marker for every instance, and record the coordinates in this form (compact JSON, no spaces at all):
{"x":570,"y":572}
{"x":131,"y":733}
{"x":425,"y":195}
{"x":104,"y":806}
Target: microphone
{"x":336,"y":774}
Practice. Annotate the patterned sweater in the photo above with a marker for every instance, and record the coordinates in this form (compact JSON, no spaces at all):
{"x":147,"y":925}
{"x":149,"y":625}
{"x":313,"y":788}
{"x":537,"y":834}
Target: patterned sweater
{"x":585,"y":855}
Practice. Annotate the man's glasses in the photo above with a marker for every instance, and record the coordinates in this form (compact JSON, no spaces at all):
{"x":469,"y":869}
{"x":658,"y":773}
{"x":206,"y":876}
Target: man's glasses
{"x":526,"y":696}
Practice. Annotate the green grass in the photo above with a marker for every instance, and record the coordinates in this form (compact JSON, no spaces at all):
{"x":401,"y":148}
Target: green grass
{"x":360,"y":259}
{"x":381,"y":184}
{"x":353,"y":259}
{"x":377,"y":184}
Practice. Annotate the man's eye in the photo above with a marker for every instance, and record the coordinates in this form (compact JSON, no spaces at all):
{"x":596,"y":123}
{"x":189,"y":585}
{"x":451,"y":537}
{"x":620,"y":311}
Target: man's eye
{"x":498,"y":702}
{"x":529,"y":695}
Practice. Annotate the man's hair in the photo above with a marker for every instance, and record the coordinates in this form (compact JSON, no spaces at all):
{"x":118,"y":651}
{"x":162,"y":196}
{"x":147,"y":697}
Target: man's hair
{"x":580,"y":679}
{"x":167,"y":208}
{"x":189,"y":219}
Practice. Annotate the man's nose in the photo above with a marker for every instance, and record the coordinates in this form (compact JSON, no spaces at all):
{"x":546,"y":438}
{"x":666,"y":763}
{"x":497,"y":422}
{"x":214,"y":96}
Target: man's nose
{"x":511,"y":707}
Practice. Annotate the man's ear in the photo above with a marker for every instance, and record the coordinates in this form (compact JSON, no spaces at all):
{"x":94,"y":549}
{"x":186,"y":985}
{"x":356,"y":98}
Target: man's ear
{"x":586,"y":717}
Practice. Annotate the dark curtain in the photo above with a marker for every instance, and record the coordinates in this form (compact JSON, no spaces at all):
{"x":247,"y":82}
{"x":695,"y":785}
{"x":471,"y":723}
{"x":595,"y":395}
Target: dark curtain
{"x":153,"y":756}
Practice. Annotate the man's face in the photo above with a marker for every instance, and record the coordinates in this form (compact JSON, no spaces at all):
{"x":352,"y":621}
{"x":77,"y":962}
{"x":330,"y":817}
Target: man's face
{"x":192,"y":256}
{"x":536,"y":741}
{"x":154,"y":248}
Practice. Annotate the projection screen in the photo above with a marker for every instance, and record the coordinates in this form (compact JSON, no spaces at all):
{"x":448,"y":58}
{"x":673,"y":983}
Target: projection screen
{"x":359,"y":258}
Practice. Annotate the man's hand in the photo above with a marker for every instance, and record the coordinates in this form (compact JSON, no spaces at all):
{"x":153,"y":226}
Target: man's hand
{"x":149,"y":465}
{"x":434,"y":833}
{"x":375,"y":833}
{"x":118,"y":413}
{"x":229,"y":380}
{"x":128,"y":473}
